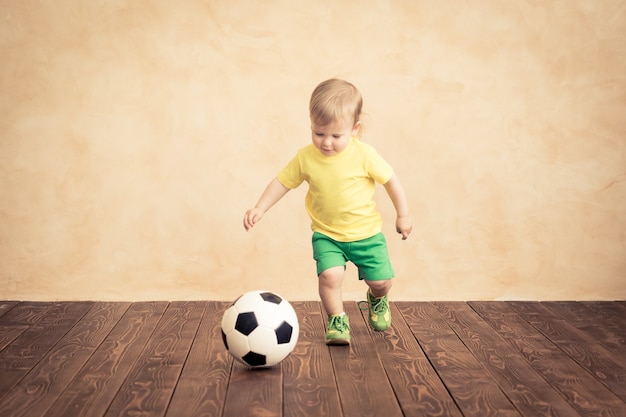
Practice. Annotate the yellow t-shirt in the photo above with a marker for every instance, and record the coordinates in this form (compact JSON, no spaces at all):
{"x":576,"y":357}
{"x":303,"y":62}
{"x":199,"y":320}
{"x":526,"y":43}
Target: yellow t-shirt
{"x":341,"y":189}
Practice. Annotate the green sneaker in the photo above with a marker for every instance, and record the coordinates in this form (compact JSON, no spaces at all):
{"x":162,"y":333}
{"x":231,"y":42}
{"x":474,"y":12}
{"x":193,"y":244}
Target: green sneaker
{"x":338,"y":330}
{"x":379,"y":312}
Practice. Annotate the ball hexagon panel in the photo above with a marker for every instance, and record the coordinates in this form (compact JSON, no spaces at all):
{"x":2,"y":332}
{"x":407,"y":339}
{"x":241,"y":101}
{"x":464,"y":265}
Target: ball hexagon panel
{"x":237,"y":344}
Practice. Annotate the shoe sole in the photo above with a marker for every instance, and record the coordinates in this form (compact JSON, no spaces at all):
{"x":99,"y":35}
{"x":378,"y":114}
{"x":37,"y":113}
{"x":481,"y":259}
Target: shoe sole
{"x":337,"y":342}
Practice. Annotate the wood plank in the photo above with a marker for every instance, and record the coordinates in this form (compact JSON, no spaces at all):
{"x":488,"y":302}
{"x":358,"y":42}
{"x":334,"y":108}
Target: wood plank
{"x":6,"y":306}
{"x":363,"y":387}
{"x":586,"y":320}
{"x":10,"y":332}
{"x":202,"y":386}
{"x":254,"y":392}
{"x":28,"y":312}
{"x":17,"y":317}
{"x":472,"y":387}
{"x":150,"y":383}
{"x":528,"y":391}
{"x":50,"y":322}
{"x":44,"y":383}
{"x":606,"y":366}
{"x":583,"y":392}
{"x":92,"y":390}
{"x":614,"y":310}
{"x":308,"y":379}
{"x":613,"y":315}
{"x":415,"y":383}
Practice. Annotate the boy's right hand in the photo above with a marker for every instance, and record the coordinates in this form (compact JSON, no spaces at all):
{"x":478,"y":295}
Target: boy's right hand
{"x":251,"y":217}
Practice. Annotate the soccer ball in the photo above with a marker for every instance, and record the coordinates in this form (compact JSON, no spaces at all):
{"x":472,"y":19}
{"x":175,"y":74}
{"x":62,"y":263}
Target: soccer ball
{"x":260,"y":329}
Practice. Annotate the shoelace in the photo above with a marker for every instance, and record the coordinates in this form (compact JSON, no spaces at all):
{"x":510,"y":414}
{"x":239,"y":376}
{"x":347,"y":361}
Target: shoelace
{"x":338,"y":323}
{"x":379,"y":305}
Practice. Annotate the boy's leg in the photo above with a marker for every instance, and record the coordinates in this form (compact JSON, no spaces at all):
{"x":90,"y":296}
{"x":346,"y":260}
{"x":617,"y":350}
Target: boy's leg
{"x":378,"y":304}
{"x":331,"y":265}
{"x":338,"y":329}
{"x":330,"y":282}
{"x":372,"y":258}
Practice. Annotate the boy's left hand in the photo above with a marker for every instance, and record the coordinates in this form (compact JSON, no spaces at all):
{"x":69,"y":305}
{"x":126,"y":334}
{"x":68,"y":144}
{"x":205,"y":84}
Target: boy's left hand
{"x":404,"y":226}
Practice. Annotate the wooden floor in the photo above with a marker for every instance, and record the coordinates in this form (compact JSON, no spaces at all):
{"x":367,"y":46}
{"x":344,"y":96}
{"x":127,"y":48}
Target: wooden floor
{"x":439,"y":359}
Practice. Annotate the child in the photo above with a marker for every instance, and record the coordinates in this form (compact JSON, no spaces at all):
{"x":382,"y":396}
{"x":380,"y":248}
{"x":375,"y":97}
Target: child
{"x":341,"y":172}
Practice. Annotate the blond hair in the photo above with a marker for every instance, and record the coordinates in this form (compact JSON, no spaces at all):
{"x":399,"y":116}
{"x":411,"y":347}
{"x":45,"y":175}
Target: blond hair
{"x":334,"y":100}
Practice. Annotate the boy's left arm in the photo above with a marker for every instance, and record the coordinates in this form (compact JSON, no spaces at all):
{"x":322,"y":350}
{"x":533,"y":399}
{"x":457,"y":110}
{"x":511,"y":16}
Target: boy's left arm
{"x":404,"y":224}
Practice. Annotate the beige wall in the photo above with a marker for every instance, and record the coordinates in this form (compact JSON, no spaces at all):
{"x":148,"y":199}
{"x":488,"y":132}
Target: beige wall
{"x":134,"y":134}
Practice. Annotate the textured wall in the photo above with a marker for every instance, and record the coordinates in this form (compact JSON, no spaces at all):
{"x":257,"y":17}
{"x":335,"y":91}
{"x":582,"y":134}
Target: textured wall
{"x":133,"y":136}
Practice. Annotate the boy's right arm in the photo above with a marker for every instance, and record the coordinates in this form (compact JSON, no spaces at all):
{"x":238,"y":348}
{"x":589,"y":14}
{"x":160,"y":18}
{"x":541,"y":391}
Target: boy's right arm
{"x":273,"y":192}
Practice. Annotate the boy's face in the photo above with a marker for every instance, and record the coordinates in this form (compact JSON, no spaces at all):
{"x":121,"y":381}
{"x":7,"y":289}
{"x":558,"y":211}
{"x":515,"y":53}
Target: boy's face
{"x":333,"y":138}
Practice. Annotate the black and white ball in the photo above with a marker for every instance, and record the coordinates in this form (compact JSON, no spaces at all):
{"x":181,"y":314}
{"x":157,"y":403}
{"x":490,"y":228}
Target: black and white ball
{"x":260,"y":329}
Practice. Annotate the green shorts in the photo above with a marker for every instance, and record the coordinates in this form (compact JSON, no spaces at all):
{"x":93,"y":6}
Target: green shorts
{"x":369,"y":255}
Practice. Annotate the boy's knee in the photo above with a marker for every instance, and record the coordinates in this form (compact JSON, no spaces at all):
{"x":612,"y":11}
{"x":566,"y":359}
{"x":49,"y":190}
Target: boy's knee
{"x":381,"y":286}
{"x":332,"y":275}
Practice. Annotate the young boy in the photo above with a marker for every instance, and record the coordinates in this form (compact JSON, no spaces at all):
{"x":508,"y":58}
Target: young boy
{"x":341,"y":172}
